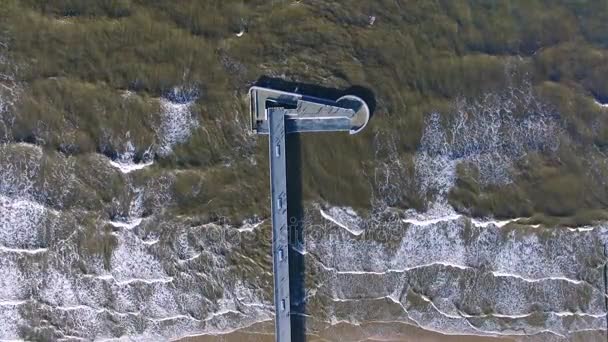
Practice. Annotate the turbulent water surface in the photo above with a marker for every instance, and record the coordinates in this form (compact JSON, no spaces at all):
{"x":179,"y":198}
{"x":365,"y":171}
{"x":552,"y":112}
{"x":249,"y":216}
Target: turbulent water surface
{"x":132,"y":195}
{"x":71,"y":270}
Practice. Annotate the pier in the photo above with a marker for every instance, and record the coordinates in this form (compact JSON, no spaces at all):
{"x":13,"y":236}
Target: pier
{"x":277,"y":113}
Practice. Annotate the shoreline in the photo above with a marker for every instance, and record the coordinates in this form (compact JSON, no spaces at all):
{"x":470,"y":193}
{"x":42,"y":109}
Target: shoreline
{"x":369,"y":332}
{"x":383,"y":332}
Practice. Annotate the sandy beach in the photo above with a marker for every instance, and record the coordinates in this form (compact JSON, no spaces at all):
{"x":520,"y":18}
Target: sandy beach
{"x":372,"y":332}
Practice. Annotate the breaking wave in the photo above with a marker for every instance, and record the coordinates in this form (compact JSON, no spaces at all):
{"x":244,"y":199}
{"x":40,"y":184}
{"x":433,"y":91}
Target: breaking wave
{"x":456,"y":276}
{"x":127,"y":161}
{"x":177,"y":120}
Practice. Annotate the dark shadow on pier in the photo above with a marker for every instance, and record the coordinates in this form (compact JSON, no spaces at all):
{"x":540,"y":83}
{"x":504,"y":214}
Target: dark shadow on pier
{"x":315,"y":90}
{"x":295,"y":213}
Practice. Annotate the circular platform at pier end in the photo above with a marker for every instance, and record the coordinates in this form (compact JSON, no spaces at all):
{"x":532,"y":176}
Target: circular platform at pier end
{"x":362,"y":114}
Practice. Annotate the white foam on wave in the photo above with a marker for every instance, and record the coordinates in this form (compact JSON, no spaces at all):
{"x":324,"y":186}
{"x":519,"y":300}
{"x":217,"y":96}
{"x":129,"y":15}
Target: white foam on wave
{"x":177,"y":121}
{"x":23,"y":250}
{"x":174,"y":318}
{"x":151,"y":242}
{"x":497,"y":274}
{"x":449,"y":324}
{"x":60,"y":290}
{"x":403,"y":270}
{"x":442,"y":212}
{"x":129,"y":281}
{"x":300,"y":249}
{"x":12,"y":302}
{"x":21,"y":223}
{"x":129,"y":166}
{"x":130,"y":262}
{"x":480,"y":331}
{"x":430,"y":301}
{"x":491,"y":132}
{"x":460,"y":314}
{"x":603,"y":105}
{"x":430,"y":217}
{"x":535,"y":280}
{"x":77,"y":311}
{"x":133,"y":218}
{"x":236,"y":310}
{"x":437,"y":213}
{"x":125,"y":162}
{"x":443,"y":327}
{"x":194,"y":257}
{"x":582,"y":229}
{"x":345,"y":218}
{"x":81,"y":307}
{"x":22,"y":229}
{"x":249,"y":226}
{"x":430,"y":221}
{"x":497,"y":223}
{"x":524,"y":259}
{"x":127,"y":224}
{"x":10,"y":324}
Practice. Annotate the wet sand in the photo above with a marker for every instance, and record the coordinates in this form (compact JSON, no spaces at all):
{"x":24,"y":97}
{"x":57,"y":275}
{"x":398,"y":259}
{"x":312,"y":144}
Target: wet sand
{"x":371,"y":332}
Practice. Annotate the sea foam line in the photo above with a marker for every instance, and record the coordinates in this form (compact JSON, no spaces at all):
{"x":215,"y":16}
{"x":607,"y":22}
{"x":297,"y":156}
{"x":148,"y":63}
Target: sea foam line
{"x":423,"y":222}
{"x":129,"y":281}
{"x":338,"y":223}
{"x":12,"y":302}
{"x":603,"y":105}
{"x":23,"y":250}
{"x":535,"y":280}
{"x":461,"y":267}
{"x":248,"y":227}
{"x":129,"y":224}
{"x":440,"y":263}
{"x":128,"y":166}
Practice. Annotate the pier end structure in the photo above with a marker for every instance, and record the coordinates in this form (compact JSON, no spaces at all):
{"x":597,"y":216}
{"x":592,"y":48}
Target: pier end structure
{"x":307,"y":113}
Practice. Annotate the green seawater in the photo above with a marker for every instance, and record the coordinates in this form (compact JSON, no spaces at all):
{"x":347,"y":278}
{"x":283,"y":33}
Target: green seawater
{"x":74,"y":61}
